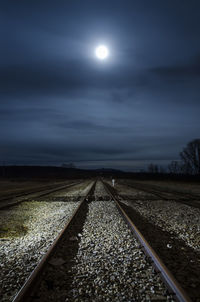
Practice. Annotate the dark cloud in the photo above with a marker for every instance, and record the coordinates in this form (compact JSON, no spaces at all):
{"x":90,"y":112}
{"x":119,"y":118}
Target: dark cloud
{"x":190,"y":70}
{"x":63,"y":78}
{"x":58,"y":103}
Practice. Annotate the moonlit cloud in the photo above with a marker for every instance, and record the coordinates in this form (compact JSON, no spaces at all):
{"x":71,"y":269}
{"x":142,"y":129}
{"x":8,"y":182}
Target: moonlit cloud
{"x":57,"y":103}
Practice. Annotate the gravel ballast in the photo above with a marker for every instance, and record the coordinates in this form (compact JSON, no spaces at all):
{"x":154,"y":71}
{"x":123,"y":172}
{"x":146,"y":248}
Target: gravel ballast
{"x":181,"y":220}
{"x":107,"y":264}
{"x":173,"y":230}
{"x":77,"y":190}
{"x":110,"y":265}
{"x":41,"y":222}
{"x":176,"y":218}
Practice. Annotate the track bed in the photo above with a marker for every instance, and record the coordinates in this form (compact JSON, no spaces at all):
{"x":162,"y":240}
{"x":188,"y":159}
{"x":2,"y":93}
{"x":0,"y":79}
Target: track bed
{"x":27,"y":231}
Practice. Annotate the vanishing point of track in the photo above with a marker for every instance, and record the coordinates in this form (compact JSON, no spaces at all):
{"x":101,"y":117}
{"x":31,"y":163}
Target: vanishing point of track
{"x":30,"y":289}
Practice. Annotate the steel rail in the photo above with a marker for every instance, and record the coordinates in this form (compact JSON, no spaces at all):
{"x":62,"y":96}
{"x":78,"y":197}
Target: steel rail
{"x":159,"y":191}
{"x":21,"y":192}
{"x":176,"y":196}
{"x":31,"y":283}
{"x":167,"y":276}
{"x":26,"y":196}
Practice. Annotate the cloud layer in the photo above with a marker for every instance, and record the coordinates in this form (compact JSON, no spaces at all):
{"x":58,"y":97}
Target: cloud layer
{"x":58,"y":103}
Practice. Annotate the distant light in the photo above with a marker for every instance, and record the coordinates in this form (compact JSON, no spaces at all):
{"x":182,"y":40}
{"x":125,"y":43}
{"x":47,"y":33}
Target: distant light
{"x":101,"y":52}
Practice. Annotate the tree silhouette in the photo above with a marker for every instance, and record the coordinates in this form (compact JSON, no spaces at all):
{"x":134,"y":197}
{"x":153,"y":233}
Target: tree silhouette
{"x":153,"y":168}
{"x":175,"y":167}
{"x":191,"y":157}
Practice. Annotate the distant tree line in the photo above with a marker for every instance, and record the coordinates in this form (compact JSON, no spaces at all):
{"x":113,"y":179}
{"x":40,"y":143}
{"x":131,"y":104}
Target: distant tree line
{"x":69,"y":166}
{"x":189,"y":163}
{"x":153,"y":168}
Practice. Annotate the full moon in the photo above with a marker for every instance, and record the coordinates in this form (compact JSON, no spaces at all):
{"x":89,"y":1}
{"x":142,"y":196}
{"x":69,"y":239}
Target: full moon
{"x":101,"y":52}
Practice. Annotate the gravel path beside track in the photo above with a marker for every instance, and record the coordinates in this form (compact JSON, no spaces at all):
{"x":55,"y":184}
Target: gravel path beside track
{"x":173,"y":217}
{"x":20,"y":255}
{"x":173,"y":230}
{"x":37,"y":224}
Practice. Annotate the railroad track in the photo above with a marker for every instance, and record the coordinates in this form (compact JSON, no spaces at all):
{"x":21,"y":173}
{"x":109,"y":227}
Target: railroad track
{"x":11,"y":200}
{"x":168,"y":278}
{"x":185,"y":198}
{"x":95,"y":259}
{"x":180,"y":257}
{"x":23,"y":192}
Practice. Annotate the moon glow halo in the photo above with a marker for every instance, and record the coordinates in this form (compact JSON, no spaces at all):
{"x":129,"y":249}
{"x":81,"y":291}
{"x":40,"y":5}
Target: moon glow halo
{"x":101,"y":52}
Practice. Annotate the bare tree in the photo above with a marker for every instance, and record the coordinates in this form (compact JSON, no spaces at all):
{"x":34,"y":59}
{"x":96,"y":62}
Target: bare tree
{"x":161,"y":169}
{"x":153,"y":168}
{"x":174,"y":167}
{"x":191,"y":157}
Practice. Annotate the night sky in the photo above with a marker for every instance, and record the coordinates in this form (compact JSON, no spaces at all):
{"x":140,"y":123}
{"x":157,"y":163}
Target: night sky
{"x":59,"y":103}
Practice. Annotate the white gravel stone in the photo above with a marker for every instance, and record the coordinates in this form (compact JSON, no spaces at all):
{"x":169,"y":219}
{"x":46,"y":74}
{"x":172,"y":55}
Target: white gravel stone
{"x":20,"y":255}
{"x":110,"y":265}
{"x":77,"y":190}
{"x":171,"y":216}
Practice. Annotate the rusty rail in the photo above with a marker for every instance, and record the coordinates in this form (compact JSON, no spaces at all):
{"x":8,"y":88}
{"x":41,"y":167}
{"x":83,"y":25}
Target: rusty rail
{"x":167,"y":276}
{"x":182,"y":197}
{"x":31,"y":283}
{"x":30,"y":194}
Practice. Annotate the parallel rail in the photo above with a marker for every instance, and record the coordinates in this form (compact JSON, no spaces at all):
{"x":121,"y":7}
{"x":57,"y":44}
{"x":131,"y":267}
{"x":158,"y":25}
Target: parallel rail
{"x":29,"y":288}
{"x":29,"y":194}
{"x":167,"y":276}
{"x":169,"y":194}
{"x":26,"y":292}
{"x":23,"y":192}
